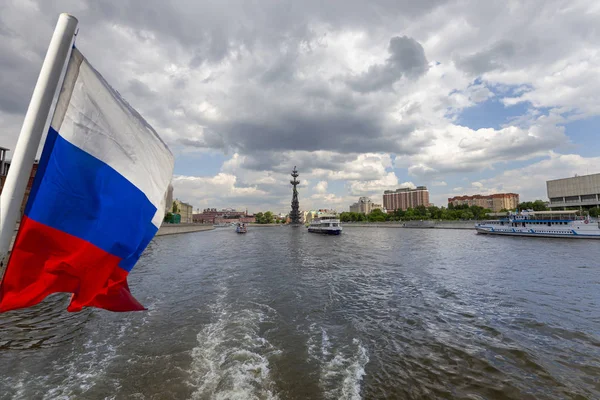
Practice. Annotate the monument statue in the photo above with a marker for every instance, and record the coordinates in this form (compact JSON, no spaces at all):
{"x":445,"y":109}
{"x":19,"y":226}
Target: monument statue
{"x":295,"y":214}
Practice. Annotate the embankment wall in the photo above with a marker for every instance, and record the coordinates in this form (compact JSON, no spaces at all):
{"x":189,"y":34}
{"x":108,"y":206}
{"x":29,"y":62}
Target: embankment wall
{"x":413,"y":224}
{"x":172,"y":229}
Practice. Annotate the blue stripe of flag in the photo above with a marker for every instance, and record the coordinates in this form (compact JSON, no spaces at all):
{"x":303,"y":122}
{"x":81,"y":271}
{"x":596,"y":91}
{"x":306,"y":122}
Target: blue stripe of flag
{"x":78,"y":194}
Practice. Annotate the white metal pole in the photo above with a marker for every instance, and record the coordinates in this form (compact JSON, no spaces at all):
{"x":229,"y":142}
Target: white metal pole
{"x":33,"y":126}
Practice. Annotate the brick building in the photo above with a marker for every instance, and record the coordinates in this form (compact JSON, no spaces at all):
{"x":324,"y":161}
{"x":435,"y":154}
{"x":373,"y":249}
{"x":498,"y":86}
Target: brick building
{"x":246,"y":219}
{"x":210,"y":215}
{"x":494,"y":202}
{"x":405,"y":198}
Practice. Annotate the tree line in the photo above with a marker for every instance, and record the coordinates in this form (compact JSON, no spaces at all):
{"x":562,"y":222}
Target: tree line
{"x":452,"y":212}
{"x":419,"y":213}
{"x":268,"y":218}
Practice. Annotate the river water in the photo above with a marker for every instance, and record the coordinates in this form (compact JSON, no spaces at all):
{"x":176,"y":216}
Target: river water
{"x":280,"y":313}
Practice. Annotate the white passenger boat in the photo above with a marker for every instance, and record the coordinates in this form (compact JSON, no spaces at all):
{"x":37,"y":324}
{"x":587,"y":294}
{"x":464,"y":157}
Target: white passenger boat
{"x":241,"y":228}
{"x":555,"y":224}
{"x":326,"y":225}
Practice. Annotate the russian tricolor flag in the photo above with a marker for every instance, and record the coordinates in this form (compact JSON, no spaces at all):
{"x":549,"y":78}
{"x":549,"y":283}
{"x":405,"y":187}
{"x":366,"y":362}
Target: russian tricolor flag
{"x":97,"y":200}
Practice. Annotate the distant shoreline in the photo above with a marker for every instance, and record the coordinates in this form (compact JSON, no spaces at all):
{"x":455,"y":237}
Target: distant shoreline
{"x":426,"y":224}
{"x":174,"y":229}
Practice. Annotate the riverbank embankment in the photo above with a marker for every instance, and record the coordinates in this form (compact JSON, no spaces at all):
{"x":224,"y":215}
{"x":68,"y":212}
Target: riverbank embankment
{"x":413,"y":224}
{"x":173,"y":229}
{"x":262,"y":225}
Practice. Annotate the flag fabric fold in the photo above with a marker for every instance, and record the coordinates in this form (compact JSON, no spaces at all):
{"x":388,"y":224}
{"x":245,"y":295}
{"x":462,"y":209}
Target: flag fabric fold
{"x":97,"y":200}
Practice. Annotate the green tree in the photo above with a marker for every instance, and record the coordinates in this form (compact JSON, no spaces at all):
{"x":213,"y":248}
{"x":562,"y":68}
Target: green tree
{"x":479,"y":212}
{"x":421,"y":211}
{"x":175,"y":208}
{"x":410,"y":214}
{"x":467,"y":214}
{"x":259,"y":217}
{"x":268,"y":217}
{"x":438,"y":213}
{"x":377,"y":216}
{"x":346,"y":216}
{"x":537,"y":205}
{"x":399,"y":214}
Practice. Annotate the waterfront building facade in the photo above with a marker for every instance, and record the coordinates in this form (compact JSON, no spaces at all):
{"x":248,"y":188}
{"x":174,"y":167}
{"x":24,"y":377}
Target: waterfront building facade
{"x":375,"y":206}
{"x":185,"y":210}
{"x":405,"y":198}
{"x":578,"y":191}
{"x":244,"y":219}
{"x":309,"y":216}
{"x":169,"y":199}
{"x":495,"y":202}
{"x":325,"y":212}
{"x":211,"y":215}
{"x":364,"y":205}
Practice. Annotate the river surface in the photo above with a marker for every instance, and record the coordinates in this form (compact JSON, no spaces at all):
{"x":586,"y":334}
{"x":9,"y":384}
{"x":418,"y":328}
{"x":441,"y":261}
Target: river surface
{"x":279,"y":313}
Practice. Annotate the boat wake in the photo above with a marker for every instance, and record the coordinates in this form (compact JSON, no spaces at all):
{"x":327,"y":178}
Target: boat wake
{"x":231,"y":360}
{"x":341,"y":368}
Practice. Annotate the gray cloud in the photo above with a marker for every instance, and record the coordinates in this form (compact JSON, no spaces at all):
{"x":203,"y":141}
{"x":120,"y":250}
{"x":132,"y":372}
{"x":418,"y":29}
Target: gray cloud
{"x":492,"y":58}
{"x":140,"y":89}
{"x":304,"y":160}
{"x":262,"y":81}
{"x":407,"y":58}
{"x":17,"y":78}
{"x":214,"y":30}
{"x":208,"y":140}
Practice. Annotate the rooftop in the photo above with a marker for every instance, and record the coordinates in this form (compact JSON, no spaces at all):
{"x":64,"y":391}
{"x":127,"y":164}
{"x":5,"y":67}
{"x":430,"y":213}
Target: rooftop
{"x":405,"y":189}
{"x":576,"y":176}
{"x":483,"y":196}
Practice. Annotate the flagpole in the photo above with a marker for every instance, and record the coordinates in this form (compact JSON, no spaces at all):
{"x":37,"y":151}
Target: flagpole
{"x":32,"y":129}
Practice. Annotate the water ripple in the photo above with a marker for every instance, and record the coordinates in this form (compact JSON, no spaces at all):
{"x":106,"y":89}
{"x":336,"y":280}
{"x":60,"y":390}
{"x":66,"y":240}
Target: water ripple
{"x":280,"y":313}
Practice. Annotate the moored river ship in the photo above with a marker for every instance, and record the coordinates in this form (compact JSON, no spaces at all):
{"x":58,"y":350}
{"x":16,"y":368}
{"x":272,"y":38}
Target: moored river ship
{"x":554,"y":224}
{"x":326,"y":225}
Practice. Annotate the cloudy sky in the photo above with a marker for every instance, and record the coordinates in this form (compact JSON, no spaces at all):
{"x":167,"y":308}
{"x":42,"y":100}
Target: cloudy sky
{"x":462,"y":96}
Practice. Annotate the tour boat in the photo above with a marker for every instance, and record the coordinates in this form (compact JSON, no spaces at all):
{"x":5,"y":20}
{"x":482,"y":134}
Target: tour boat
{"x":241,"y":228}
{"x":551,"y":224}
{"x":326,"y":225}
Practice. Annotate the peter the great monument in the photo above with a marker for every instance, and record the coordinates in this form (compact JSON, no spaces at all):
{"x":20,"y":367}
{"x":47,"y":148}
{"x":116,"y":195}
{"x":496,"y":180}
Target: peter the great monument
{"x":295,"y":214}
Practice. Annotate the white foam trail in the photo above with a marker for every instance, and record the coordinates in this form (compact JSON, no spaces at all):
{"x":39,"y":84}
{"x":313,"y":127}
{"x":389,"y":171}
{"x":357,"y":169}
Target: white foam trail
{"x":355,"y":373}
{"x":231,"y":360}
{"x":318,"y":343}
{"x":341,"y":369}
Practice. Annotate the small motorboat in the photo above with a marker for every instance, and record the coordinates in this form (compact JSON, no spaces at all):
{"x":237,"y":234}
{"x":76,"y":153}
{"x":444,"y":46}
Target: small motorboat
{"x":241,"y":228}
